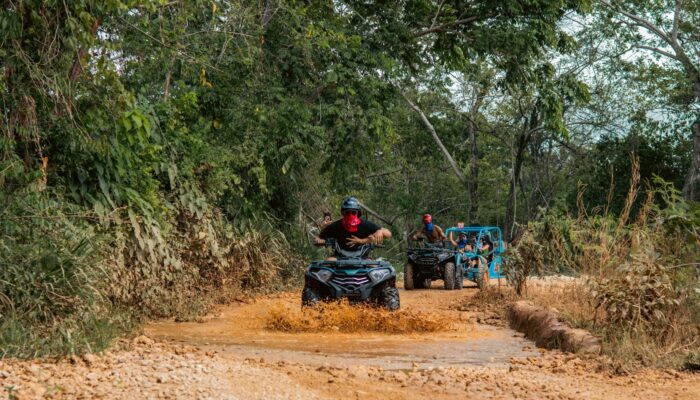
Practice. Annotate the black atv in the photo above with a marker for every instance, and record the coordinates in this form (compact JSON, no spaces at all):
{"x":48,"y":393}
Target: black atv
{"x":430,"y":262}
{"x":353,"y":276}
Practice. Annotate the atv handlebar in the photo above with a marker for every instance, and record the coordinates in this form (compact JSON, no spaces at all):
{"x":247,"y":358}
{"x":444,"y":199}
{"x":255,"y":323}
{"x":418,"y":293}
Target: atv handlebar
{"x":331,"y":242}
{"x":360,"y":251}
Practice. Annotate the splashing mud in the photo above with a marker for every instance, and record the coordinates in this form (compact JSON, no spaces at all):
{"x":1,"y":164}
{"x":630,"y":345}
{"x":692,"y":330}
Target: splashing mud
{"x":343,"y":317}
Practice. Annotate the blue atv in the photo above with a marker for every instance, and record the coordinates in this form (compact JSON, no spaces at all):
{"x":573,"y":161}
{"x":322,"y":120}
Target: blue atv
{"x":353,"y":276}
{"x":430,"y":262}
{"x":480,"y":266}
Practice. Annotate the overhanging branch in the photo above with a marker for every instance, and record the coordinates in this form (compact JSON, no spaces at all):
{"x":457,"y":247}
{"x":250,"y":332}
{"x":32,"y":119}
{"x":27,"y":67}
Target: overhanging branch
{"x":658,"y":51}
{"x":437,"y":140}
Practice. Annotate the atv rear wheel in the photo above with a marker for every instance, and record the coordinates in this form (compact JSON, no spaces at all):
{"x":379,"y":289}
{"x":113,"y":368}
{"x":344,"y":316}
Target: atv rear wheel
{"x":449,"y":277}
{"x":390,"y":298}
{"x":408,"y":276}
{"x":309,"y":297}
{"x":459,"y":278}
{"x":482,"y":275}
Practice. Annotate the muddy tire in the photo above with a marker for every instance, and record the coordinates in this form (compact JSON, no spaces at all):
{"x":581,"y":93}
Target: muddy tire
{"x":390,"y":299}
{"x":449,"y":276}
{"x":309,"y":298}
{"x":482,"y":275}
{"x":408,"y":283}
{"x":459,"y":278}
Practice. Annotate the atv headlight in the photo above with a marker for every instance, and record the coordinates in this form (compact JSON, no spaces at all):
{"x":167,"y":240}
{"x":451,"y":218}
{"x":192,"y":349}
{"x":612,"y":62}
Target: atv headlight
{"x":377,"y":275}
{"x":324,"y":275}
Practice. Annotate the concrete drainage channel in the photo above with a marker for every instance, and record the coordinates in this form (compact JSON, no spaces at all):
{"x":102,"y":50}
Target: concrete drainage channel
{"x":547,"y":329}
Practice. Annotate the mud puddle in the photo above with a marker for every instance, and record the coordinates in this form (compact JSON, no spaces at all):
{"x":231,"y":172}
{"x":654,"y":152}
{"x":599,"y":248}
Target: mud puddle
{"x":243,"y":331}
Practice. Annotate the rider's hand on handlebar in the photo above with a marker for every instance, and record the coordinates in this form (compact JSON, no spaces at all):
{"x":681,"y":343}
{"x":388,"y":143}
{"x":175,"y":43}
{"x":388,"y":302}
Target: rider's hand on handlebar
{"x":319,"y":242}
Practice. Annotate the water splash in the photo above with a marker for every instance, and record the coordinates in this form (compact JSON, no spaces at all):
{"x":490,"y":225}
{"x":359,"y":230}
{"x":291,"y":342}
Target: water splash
{"x":343,"y":317}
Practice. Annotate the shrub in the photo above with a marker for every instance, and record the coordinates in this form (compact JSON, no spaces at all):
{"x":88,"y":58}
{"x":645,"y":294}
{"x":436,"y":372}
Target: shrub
{"x":641,"y":275}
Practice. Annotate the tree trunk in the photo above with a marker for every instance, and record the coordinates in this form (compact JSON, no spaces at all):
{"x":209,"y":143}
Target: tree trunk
{"x":77,"y":67}
{"x":691,"y":189}
{"x":268,"y":13}
{"x":509,"y":223}
{"x":473,"y":184}
{"x":166,"y":88}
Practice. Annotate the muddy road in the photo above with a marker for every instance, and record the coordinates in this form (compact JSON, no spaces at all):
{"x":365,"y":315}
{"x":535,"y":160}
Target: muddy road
{"x":243,"y":330}
{"x":267,"y":349}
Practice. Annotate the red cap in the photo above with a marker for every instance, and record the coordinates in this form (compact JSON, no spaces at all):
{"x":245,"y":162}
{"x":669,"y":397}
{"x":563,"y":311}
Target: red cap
{"x":427,"y":218}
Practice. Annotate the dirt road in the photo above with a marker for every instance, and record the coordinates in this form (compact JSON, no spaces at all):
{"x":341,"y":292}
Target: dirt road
{"x":244,"y":352}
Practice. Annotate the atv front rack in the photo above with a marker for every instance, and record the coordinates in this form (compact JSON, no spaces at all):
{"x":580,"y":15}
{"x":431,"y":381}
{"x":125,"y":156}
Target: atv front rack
{"x":352,"y":262}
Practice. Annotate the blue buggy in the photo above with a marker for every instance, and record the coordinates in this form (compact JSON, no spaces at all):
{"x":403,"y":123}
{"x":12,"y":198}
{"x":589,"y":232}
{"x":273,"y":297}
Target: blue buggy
{"x":481,"y":259}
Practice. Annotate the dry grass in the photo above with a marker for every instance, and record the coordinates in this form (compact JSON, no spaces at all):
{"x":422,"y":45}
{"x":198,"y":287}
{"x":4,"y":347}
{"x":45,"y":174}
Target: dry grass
{"x":630,"y":345}
{"x":343,"y":317}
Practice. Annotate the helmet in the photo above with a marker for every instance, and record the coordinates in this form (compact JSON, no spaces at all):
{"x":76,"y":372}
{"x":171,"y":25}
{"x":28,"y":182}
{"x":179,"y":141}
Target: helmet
{"x":427,"y":218}
{"x":350,"y":203}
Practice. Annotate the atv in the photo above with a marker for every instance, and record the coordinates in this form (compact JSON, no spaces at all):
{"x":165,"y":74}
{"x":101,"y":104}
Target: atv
{"x":430,"y":262}
{"x":353,"y":276}
{"x":480,"y":268}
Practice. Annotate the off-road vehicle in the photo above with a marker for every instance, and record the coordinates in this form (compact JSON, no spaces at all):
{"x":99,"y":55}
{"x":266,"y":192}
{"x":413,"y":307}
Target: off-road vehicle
{"x":430,"y":262}
{"x":351,"y":275}
{"x":480,"y":266}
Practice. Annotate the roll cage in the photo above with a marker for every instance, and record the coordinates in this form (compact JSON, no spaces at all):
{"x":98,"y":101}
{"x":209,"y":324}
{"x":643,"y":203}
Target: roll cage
{"x":491,"y":233}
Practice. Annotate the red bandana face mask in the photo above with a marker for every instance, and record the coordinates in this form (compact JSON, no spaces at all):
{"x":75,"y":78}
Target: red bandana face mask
{"x":351,"y":220}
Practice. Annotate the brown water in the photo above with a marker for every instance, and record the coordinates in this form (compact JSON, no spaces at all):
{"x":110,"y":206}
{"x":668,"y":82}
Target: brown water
{"x":245,"y":330}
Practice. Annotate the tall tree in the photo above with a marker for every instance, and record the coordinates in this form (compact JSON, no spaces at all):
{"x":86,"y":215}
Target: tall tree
{"x":669,"y":30}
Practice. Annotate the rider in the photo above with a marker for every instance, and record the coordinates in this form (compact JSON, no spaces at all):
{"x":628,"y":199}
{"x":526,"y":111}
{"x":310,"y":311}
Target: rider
{"x":486,"y":248}
{"x":462,"y":245}
{"x":327,"y":220}
{"x":432,"y":232}
{"x":350,"y":230}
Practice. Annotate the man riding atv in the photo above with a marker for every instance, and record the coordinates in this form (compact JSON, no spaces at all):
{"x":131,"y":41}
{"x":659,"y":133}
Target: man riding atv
{"x":432,"y":260}
{"x":430,"y":231}
{"x":351,"y":231}
{"x":351,"y":273}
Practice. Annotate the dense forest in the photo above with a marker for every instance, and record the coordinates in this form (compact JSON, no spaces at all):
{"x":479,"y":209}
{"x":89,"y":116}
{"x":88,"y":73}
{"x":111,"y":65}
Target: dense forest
{"x":157,"y":151}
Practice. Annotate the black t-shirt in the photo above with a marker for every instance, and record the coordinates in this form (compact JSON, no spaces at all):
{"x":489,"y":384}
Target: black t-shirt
{"x":338,"y":232}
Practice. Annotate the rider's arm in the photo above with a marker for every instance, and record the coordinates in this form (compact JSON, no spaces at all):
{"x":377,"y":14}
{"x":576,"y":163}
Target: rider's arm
{"x":381,"y":235}
{"x":453,"y":241}
{"x":325,"y":234}
{"x":376,"y":238}
{"x":440,"y":233}
{"x":416,"y":235}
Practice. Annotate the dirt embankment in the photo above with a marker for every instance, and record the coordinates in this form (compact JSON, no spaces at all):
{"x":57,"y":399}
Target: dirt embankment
{"x":232,"y":355}
{"x":547,"y":329}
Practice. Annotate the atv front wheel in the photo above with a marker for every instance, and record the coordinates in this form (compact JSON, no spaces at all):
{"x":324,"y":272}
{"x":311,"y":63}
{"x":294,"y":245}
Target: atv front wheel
{"x":482,"y":275}
{"x":449,"y":276}
{"x":309,"y":297}
{"x":390,"y":298}
{"x":459,"y":278}
{"x":408,"y":276}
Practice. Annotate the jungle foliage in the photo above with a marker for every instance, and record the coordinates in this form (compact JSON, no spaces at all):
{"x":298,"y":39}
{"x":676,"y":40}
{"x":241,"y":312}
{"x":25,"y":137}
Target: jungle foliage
{"x":157,"y":156}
